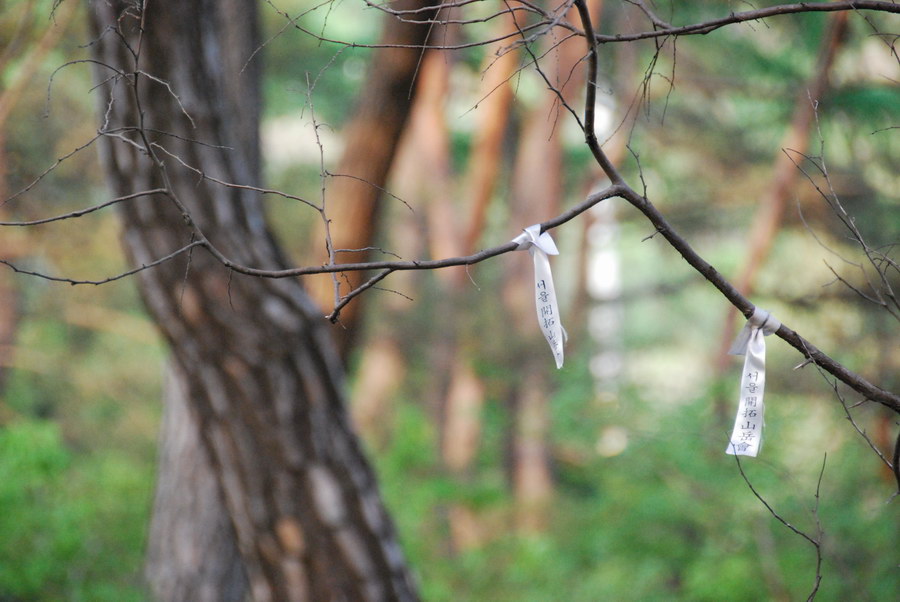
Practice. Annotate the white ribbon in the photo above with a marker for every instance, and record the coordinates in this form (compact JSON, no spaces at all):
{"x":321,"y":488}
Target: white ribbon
{"x":746,"y":438}
{"x":540,"y":246}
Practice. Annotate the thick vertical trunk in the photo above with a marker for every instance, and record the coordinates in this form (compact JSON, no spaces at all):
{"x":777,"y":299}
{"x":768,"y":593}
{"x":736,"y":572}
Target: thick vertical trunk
{"x":261,"y":376}
{"x":456,"y":393}
{"x":192,"y":552}
{"x":785,"y":176}
{"x":356,"y":188}
{"x":485,"y":160}
{"x":537,"y":191}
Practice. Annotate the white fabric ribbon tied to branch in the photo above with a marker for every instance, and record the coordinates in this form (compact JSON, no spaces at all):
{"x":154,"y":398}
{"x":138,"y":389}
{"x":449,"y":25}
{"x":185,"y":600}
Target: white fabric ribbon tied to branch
{"x":541,"y":246}
{"x":746,"y":438}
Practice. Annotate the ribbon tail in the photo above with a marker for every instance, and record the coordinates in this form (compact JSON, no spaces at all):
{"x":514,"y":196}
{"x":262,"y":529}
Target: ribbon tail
{"x":746,"y":437}
{"x":546,"y":304}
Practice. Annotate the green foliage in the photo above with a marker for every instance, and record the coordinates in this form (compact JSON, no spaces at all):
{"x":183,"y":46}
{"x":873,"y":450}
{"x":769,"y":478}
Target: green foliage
{"x":295,"y":67}
{"x":77,"y":453}
{"x":33,"y":461}
{"x":661,"y":515}
{"x":668,"y":518}
{"x":72,"y":526}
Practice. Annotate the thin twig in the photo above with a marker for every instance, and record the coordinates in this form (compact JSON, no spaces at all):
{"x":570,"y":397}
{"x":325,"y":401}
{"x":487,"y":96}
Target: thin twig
{"x":81,"y":212}
{"x":815,"y":542}
{"x":343,"y":301}
{"x":120,"y":276}
{"x":706,"y":27}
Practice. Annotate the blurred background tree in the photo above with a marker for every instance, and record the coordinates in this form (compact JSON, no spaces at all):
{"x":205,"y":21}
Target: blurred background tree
{"x":605,"y":480}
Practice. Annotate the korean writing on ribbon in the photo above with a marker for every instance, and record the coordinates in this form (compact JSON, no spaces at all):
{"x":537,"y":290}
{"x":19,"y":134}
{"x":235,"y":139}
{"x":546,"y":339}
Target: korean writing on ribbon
{"x":541,"y":246}
{"x":746,"y":437}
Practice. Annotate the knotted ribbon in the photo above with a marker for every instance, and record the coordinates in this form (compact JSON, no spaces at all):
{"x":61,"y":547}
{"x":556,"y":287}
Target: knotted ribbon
{"x":541,"y":246}
{"x":746,"y":438}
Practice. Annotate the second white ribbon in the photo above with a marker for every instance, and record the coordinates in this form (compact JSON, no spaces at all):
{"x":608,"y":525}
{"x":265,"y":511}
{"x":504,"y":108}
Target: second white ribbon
{"x":541,"y":246}
{"x":746,"y":438}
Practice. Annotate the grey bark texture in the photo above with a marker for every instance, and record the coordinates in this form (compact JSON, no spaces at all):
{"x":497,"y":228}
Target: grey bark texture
{"x":253,"y":365}
{"x":192,"y":552}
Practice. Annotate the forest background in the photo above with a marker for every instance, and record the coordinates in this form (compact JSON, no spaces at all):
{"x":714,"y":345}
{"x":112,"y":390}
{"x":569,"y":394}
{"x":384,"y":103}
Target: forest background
{"x":508,"y":480}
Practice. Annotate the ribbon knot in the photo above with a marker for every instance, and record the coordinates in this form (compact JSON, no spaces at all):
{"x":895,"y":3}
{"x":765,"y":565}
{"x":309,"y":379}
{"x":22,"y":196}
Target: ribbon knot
{"x":541,"y":245}
{"x":746,"y":437}
{"x":760,"y":320}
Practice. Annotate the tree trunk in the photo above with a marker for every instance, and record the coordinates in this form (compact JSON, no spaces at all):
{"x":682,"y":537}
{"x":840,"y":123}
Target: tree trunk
{"x":356,"y":188}
{"x":192,"y":552}
{"x":464,"y":394}
{"x":485,"y":160}
{"x":260,"y":375}
{"x":785,"y":175}
{"x":537,"y":190}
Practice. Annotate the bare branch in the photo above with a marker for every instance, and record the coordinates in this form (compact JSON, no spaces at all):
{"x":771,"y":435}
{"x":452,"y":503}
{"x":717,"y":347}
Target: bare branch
{"x":654,"y":18}
{"x":809,"y":351}
{"x":233,"y":185}
{"x":526,"y":33}
{"x":537,"y":66}
{"x":171,"y":91}
{"x":81,"y":212}
{"x":120,"y":276}
{"x":381,"y":189}
{"x":539,"y":25}
{"x":643,"y":204}
{"x":816,"y":541}
{"x":590,"y":102}
{"x":862,"y":432}
{"x":433,"y":264}
{"x":56,"y":164}
{"x":364,"y":249}
{"x":333,"y":316}
{"x":879,"y":261}
{"x":753,"y":15}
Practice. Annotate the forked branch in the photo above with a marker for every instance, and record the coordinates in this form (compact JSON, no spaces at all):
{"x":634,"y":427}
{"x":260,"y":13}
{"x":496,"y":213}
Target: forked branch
{"x":617,"y":188}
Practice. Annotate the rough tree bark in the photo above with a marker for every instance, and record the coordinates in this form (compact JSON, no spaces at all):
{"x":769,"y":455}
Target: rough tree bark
{"x":252,"y":359}
{"x":192,"y":551}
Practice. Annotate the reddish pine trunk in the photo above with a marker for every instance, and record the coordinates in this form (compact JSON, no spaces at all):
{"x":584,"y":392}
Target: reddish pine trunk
{"x":356,"y":190}
{"x":770,"y":214}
